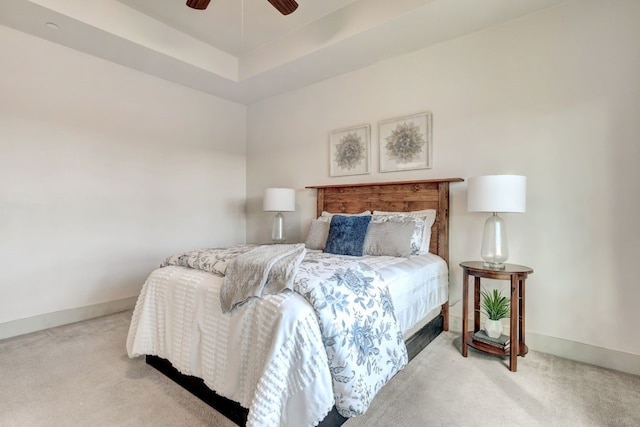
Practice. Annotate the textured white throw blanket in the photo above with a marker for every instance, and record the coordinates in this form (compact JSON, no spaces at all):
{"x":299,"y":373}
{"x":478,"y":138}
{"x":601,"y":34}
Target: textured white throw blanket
{"x":265,"y":270}
{"x":267,"y":355}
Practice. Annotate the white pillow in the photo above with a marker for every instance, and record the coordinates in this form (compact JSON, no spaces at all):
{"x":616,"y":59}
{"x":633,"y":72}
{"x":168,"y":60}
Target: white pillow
{"x":429,"y":217}
{"x":391,"y":238}
{"x":416,"y":223}
{"x":318,"y":233}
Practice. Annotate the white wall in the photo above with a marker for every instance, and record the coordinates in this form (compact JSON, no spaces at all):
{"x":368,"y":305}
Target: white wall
{"x":554,"y":96}
{"x":104,"y":171}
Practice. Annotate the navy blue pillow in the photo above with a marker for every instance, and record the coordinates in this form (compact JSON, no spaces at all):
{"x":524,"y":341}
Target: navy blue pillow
{"x":346,"y":234}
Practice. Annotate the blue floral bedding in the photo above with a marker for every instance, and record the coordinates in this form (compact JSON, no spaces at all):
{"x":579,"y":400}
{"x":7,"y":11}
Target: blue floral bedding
{"x":361,"y":335}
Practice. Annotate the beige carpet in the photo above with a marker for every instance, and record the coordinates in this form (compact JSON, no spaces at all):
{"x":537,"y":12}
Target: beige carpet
{"x":79,"y":375}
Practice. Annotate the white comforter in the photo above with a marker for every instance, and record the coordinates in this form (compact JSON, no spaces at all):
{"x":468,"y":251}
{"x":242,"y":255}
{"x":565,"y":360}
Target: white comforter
{"x":268,"y":355}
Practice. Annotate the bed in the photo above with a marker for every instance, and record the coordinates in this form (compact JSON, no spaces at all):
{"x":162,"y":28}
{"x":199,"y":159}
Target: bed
{"x":178,"y":327}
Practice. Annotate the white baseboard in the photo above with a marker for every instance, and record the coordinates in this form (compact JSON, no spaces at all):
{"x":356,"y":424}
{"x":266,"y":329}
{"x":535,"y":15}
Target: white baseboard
{"x":585,"y":353}
{"x":64,"y":317}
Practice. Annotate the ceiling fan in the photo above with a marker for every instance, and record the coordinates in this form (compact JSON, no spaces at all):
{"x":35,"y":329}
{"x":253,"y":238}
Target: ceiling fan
{"x":285,"y":7}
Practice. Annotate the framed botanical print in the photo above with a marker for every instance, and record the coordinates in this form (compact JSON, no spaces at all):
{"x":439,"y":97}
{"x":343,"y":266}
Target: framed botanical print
{"x":405,"y":143}
{"x":349,"y":151}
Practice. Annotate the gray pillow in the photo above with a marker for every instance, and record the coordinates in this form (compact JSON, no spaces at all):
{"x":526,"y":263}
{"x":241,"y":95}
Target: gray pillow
{"x":389,"y":238}
{"x":427,"y":215}
{"x":418,"y":231}
{"x":318,"y":233}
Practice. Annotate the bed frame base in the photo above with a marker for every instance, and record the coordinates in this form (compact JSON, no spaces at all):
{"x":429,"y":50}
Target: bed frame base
{"x":196,"y":386}
{"x":238,"y":414}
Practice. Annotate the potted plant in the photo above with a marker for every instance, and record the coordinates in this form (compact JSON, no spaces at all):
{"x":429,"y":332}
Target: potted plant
{"x":495,"y":307}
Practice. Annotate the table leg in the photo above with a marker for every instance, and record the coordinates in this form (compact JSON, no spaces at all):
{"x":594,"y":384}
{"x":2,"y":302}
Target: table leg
{"x":521,"y":343}
{"x":465,"y":310}
{"x":445,"y":316}
{"x":513,"y":328}
{"x":476,"y":305}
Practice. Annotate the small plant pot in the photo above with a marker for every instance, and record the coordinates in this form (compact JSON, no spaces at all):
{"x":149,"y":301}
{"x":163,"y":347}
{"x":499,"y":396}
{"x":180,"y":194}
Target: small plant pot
{"x":493,"y":328}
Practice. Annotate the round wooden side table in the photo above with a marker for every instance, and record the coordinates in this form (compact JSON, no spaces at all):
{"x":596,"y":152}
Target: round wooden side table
{"x":516,"y":274}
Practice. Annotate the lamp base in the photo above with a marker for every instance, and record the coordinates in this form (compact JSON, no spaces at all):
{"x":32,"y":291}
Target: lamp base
{"x":494,"y":265}
{"x":277,"y":232}
{"x":495,"y":250}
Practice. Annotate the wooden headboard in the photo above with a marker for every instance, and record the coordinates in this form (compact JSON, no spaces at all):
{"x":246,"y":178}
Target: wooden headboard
{"x":394,"y":196}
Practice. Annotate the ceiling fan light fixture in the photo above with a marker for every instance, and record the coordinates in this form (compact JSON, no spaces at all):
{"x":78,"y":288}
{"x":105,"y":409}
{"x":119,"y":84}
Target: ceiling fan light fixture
{"x":198,"y":4}
{"x":285,"y":7}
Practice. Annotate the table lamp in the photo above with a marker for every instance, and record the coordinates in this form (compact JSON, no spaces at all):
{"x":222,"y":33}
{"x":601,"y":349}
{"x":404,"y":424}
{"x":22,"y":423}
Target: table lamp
{"x":496,"y":193}
{"x":279,"y":200}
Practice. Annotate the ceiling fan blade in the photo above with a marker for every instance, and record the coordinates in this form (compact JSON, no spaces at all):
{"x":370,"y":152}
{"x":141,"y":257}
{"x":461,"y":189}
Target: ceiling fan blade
{"x":285,"y":7}
{"x":198,"y":4}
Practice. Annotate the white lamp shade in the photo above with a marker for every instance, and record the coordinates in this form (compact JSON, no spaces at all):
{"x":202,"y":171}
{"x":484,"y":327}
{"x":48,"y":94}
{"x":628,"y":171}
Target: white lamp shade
{"x":497,"y":193}
{"x":279,"y":200}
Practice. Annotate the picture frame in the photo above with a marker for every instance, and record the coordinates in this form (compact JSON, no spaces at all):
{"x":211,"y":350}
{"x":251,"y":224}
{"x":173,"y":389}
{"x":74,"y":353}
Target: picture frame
{"x":349,"y":151}
{"x":405,"y":143}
